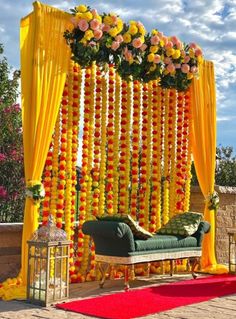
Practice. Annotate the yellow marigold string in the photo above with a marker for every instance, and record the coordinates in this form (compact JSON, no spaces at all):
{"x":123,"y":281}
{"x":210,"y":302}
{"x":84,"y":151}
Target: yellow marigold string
{"x":110,"y":141}
{"x":144,"y":146}
{"x":166,"y":176}
{"x":135,"y":148}
{"x":127,"y":142}
{"x":116,"y":142}
{"x":172,"y":141}
{"x":155,"y":218}
{"x":123,"y":148}
{"x":149,"y":155}
{"x":103,"y":148}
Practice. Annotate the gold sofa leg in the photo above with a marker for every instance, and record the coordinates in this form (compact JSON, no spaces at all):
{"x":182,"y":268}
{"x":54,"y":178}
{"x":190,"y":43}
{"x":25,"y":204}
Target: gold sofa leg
{"x":194,"y":262}
{"x":103,"y":268}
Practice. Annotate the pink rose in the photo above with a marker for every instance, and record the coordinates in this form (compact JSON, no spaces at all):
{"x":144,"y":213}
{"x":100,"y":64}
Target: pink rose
{"x":155,"y":40}
{"x":160,"y":34}
{"x":198,"y":52}
{"x":185,"y":68}
{"x":193,"y":45}
{"x":169,"y":45}
{"x":194,"y":69}
{"x":170,"y":67}
{"x":183,"y":54}
{"x":174,"y":39}
{"x":137,"y":43}
{"x":127,"y":54}
{"x":139,"y":24}
{"x":115,"y":45}
{"x":165,"y":40}
{"x":105,"y":27}
{"x":92,"y":43}
{"x":157,"y":58}
{"x":83,"y":25}
{"x":119,"y":38}
{"x":167,"y":60}
{"x":143,"y":47}
{"x":94,"y":12}
{"x":98,"y":34}
{"x":94,"y":24}
{"x":186,"y":59}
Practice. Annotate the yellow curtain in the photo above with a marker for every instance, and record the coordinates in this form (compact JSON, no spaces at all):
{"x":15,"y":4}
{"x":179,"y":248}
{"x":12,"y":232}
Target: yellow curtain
{"x":45,"y":59}
{"x":204,"y":152}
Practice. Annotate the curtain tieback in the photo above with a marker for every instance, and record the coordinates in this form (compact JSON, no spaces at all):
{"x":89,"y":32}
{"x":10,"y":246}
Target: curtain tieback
{"x":213,"y":201}
{"x":35,"y":191}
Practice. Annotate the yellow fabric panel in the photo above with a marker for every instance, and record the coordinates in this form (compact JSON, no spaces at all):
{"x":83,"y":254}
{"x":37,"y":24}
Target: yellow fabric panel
{"x":45,"y":59}
{"x":204,"y":153}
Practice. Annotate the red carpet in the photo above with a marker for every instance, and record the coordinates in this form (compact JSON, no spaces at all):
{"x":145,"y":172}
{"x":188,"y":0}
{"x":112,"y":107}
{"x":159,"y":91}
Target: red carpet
{"x":145,"y":301}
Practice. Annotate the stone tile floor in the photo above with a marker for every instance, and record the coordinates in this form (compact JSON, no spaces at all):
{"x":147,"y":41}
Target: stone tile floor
{"x":218,"y":308}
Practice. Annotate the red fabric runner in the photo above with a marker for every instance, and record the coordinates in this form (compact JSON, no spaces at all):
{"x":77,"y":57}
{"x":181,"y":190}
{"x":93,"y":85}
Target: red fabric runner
{"x":145,"y":301}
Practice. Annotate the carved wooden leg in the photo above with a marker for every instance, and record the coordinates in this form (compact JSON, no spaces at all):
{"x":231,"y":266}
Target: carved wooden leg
{"x":194,"y":262}
{"x":126,"y":277}
{"x":103,"y":269}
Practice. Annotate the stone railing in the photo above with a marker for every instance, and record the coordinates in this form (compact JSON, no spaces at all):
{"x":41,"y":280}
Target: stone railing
{"x":10,"y":234}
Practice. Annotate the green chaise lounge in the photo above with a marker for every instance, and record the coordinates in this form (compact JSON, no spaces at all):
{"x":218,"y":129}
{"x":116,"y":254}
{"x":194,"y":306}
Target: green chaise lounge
{"x":117,"y":244}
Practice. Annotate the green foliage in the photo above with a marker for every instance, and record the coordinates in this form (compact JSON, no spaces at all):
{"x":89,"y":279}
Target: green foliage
{"x":11,"y":146}
{"x":225,"y":173}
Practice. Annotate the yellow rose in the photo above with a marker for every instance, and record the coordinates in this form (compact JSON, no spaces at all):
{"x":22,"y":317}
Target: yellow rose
{"x":133,"y":29}
{"x":169,"y":52}
{"x":132,"y":22}
{"x":154,"y":31}
{"x":161,"y":43}
{"x":108,"y":20}
{"x":142,"y":30}
{"x":176,"y":54}
{"x":189,"y":76}
{"x":88,"y":35}
{"x":119,"y":25}
{"x":142,"y":39}
{"x":154,"y":48}
{"x":87,"y":16}
{"x":113,"y":32}
{"x":99,"y":18}
{"x":82,"y":8}
{"x":127,"y":38}
{"x":150,"y":57}
{"x":166,"y":72}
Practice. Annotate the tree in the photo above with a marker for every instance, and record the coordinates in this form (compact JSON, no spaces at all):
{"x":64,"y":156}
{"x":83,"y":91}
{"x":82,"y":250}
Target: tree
{"x":11,"y":146}
{"x":225,"y":172}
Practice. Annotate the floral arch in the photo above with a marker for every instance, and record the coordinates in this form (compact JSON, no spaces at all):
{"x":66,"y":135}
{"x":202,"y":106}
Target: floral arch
{"x":144,"y":114}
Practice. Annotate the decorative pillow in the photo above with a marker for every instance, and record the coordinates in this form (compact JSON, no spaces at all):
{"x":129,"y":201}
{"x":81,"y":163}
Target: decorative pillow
{"x":138,"y":231}
{"x":184,"y":224}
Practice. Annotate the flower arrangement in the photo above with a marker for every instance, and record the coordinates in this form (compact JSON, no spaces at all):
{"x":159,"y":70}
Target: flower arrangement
{"x":35,"y":191}
{"x":136,"y":55}
{"x":213,"y":201}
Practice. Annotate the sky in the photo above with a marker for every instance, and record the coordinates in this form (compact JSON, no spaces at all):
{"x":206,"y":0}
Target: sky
{"x":211,"y":24}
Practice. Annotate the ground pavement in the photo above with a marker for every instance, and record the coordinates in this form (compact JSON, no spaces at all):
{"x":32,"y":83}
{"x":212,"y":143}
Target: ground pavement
{"x":218,"y":308}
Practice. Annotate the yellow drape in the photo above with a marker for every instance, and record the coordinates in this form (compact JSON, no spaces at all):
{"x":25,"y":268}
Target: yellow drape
{"x":45,"y":59}
{"x":204,"y":153}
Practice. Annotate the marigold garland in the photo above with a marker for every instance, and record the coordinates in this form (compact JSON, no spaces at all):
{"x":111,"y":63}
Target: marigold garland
{"x":116,"y":142}
{"x":110,"y":141}
{"x":135,"y":149}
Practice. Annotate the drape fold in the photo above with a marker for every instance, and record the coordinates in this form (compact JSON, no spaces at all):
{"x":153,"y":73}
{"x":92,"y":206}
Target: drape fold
{"x":203,"y":95}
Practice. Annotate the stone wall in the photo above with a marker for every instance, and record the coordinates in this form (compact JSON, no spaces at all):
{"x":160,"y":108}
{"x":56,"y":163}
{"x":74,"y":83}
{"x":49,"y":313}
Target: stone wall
{"x":225,"y":219}
{"x":10,"y":234}
{"x":10,"y":250}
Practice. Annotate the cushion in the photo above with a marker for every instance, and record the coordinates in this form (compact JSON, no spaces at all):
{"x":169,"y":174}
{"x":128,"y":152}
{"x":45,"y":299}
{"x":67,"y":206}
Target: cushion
{"x":138,"y":231}
{"x":184,"y":224}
